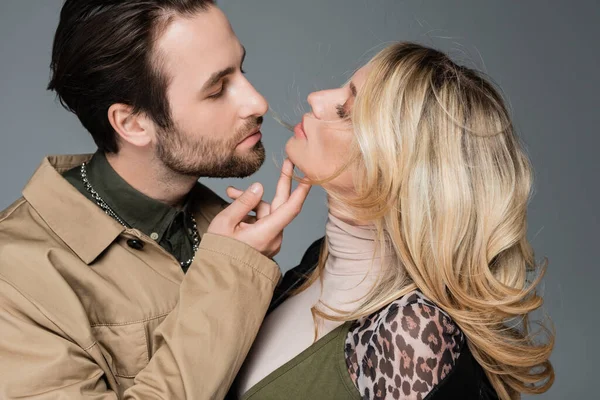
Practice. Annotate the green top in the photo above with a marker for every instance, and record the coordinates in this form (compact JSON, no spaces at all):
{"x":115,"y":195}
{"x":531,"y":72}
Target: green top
{"x":169,"y":226}
{"x":319,"y":372}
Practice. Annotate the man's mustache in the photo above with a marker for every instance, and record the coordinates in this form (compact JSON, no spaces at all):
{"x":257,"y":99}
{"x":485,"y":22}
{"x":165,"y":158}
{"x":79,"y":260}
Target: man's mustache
{"x":250,"y":126}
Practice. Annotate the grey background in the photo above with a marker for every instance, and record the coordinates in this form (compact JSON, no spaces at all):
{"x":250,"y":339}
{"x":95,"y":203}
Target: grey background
{"x":544,"y":57}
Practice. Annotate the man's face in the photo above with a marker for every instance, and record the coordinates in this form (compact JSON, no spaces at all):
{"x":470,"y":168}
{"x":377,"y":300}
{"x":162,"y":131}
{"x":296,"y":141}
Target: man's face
{"x":216,"y":112}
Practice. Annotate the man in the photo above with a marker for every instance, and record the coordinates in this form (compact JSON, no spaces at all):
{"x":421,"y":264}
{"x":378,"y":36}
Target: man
{"x":120,"y":275}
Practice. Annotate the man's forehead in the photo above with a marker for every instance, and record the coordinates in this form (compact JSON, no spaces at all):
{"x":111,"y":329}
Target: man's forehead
{"x":202,"y":39}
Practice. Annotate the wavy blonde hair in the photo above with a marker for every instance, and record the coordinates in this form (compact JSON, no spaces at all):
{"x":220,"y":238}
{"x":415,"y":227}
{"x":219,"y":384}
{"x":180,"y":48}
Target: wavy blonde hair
{"x":440,"y":172}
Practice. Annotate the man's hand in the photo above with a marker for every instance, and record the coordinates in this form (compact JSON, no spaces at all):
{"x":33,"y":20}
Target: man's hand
{"x":266,"y":232}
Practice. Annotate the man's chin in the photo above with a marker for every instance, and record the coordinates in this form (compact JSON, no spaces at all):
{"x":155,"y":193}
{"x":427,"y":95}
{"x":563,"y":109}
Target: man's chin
{"x":248,"y":164}
{"x":242,"y":164}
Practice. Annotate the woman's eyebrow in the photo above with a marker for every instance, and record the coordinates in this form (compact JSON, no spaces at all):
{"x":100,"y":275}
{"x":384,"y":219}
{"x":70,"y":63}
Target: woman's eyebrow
{"x":353,"y":89}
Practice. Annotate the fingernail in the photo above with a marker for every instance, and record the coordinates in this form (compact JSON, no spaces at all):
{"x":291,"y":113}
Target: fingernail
{"x":255,"y":188}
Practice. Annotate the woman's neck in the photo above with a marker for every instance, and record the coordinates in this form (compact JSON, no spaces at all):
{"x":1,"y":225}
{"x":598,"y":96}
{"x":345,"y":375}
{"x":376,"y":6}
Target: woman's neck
{"x":353,"y":249}
{"x":336,"y":209}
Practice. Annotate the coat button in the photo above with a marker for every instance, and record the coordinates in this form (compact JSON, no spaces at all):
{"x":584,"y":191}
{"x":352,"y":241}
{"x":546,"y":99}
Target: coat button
{"x":135,"y":244}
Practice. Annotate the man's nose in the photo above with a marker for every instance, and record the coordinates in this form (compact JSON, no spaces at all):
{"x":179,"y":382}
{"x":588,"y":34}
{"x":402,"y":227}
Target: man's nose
{"x":255,"y":105}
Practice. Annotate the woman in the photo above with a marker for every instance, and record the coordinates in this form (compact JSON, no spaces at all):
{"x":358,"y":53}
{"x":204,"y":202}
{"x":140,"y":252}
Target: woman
{"x":419,"y":289}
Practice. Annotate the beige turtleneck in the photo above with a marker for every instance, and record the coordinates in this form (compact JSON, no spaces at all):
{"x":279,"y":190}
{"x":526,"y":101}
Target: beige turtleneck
{"x":351,"y":270}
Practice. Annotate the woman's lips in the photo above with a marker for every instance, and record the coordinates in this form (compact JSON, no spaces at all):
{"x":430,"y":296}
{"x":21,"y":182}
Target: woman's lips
{"x":299,"y":130}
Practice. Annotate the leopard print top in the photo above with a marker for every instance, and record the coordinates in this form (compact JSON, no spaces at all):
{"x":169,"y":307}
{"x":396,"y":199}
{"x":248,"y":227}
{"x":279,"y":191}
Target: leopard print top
{"x":402,"y":351}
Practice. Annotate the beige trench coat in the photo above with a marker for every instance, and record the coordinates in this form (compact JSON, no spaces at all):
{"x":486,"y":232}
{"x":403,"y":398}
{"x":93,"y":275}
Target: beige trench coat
{"x":84,"y":314}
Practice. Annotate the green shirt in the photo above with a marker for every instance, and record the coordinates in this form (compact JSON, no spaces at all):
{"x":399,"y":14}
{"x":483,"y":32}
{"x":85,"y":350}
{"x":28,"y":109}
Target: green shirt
{"x":319,"y":372}
{"x":170,"y":227}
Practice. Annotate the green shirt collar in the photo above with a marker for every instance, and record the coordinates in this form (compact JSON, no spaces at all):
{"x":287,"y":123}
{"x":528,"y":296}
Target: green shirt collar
{"x":135,"y":208}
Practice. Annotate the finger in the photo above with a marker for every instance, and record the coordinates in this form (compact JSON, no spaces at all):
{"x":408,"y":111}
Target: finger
{"x":239,"y":209}
{"x":233,"y":192}
{"x":284,"y":185}
{"x":275,"y":222}
{"x":262,"y":210}
{"x":300,"y":194}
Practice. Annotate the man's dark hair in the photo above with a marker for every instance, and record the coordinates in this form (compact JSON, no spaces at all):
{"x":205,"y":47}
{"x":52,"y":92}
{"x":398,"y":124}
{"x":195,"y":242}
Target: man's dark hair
{"x":103,"y":54}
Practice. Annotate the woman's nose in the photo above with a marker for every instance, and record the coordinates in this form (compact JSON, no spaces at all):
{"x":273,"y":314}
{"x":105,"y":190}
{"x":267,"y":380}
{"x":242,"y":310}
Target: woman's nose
{"x":324,"y":102}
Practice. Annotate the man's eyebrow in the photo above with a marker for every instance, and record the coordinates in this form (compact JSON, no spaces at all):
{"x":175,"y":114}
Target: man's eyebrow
{"x":217,"y":76}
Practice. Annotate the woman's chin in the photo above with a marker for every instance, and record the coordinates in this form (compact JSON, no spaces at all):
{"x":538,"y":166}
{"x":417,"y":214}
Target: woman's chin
{"x":295,"y":157}
{"x":293,"y":151}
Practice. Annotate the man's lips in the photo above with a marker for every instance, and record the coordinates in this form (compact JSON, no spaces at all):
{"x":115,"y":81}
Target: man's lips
{"x":253,"y":138}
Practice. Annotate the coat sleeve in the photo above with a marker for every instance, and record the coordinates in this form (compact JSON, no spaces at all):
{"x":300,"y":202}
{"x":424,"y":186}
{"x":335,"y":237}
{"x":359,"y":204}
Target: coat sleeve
{"x":200,"y":346}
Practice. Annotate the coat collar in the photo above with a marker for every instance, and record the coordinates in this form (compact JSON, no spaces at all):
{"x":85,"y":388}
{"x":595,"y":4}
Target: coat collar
{"x":80,"y":223}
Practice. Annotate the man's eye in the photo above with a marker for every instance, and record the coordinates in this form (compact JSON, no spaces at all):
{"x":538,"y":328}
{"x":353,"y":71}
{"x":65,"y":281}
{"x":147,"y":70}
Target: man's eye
{"x":219,"y":93}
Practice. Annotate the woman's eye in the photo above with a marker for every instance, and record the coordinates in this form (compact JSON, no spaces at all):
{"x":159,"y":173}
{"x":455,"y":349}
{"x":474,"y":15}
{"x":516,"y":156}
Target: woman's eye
{"x":341,"y":111}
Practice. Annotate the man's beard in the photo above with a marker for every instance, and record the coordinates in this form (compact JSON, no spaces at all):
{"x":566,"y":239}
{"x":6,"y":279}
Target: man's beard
{"x":206,"y":157}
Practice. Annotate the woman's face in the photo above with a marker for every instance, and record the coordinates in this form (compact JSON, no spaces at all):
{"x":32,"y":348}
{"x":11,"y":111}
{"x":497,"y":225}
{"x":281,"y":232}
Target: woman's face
{"x":322,"y":140}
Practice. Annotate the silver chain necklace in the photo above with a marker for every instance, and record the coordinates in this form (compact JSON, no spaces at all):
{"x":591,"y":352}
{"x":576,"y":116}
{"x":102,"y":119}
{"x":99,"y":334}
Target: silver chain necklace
{"x":109,"y":211}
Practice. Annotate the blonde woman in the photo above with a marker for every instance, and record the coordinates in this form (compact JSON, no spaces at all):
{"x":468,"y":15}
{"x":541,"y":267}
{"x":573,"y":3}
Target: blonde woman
{"x":420,"y":287}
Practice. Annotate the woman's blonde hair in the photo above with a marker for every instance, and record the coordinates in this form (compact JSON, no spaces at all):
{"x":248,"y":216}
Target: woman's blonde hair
{"x":441,"y":173}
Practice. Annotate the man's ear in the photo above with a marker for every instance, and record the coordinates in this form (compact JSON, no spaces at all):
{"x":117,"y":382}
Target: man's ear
{"x":131,"y":128}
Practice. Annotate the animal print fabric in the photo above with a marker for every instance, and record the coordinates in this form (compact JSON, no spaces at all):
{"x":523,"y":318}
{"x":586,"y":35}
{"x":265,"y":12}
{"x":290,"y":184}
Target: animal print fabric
{"x":402,"y":351}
